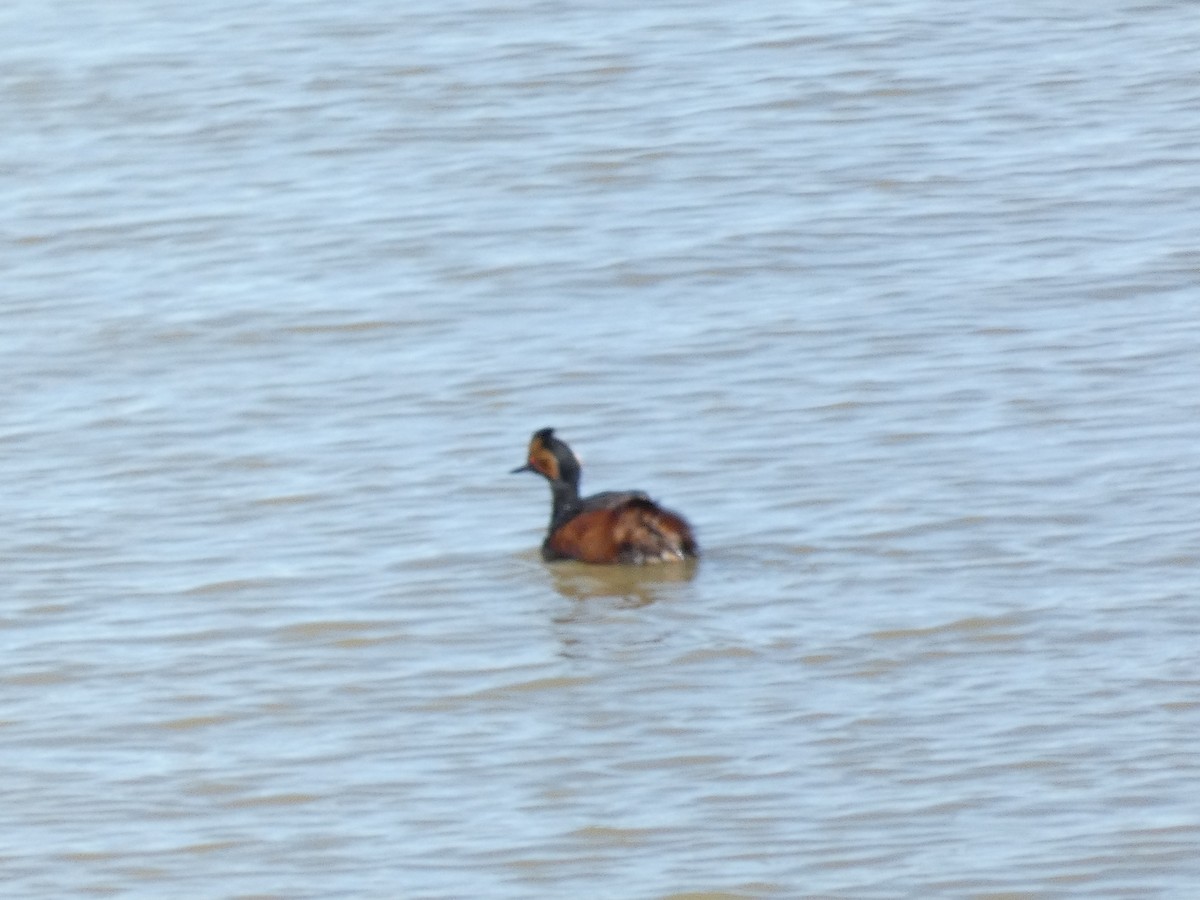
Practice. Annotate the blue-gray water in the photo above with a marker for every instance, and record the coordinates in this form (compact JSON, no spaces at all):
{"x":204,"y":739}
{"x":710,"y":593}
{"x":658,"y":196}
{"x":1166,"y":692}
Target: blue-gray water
{"x":898,"y":302}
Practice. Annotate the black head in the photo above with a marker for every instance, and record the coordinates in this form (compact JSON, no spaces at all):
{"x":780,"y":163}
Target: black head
{"x":552,"y":459}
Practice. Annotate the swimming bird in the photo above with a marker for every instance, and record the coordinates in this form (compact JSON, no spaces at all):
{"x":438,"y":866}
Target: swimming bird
{"x":621,"y":527}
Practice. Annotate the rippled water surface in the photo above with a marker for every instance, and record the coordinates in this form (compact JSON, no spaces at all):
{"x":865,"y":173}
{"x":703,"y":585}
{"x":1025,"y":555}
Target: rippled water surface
{"x":898,"y":302}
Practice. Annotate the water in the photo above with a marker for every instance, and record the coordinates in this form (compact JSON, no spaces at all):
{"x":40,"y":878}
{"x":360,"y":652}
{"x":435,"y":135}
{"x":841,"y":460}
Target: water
{"x":896,"y":302}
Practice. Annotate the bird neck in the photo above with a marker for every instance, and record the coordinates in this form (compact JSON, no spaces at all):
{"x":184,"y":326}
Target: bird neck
{"x":565,"y":501}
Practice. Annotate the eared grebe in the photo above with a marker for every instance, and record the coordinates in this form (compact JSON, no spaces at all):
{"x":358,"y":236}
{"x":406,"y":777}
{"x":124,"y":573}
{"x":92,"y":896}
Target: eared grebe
{"x":612,"y":527}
